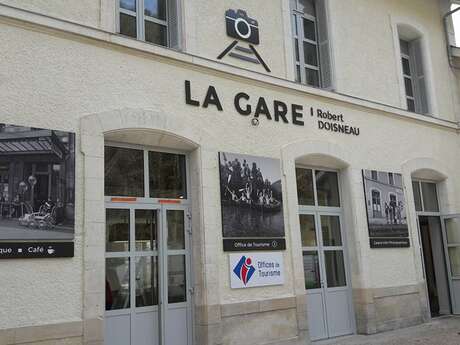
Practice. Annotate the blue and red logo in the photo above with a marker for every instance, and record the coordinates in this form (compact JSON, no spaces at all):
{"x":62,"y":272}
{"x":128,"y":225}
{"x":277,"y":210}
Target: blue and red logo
{"x":244,"y":269}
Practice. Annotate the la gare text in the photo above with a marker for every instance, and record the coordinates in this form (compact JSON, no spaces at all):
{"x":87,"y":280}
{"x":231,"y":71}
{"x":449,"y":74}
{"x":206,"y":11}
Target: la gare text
{"x":277,"y":111}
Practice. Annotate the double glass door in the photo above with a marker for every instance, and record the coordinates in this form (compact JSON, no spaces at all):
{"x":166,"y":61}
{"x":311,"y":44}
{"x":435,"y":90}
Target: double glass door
{"x":328,"y":292}
{"x":147,"y":275}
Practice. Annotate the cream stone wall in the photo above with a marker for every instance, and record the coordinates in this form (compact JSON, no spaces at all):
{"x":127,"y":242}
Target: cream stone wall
{"x":365,"y":57}
{"x":68,"y":81}
{"x":87,"y":12}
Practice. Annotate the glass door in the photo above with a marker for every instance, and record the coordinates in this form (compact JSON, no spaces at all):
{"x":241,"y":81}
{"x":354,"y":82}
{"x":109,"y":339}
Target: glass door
{"x":178,"y":329}
{"x":133,"y":275}
{"x":328,"y":293}
{"x":147,"y":275}
{"x":313,"y":272}
{"x":451,"y":230}
{"x":328,"y":289}
{"x":336,"y":289}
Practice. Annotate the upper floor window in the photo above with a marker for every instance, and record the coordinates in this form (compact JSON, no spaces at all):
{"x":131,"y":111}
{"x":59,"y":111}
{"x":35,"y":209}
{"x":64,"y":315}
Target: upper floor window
{"x":374,"y":175}
{"x":414,"y":75}
{"x":391,"y":179}
{"x":154,"y":21}
{"x":311,"y":43}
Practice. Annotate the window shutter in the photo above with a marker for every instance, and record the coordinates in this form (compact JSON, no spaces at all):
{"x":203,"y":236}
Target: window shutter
{"x":324,"y":45}
{"x":419,"y":76}
{"x":174,"y":24}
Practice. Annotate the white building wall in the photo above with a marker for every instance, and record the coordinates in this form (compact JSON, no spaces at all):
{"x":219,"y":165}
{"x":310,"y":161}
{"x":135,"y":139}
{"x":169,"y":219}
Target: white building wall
{"x":52,"y":79}
{"x":56,"y":90}
{"x":366,"y":63}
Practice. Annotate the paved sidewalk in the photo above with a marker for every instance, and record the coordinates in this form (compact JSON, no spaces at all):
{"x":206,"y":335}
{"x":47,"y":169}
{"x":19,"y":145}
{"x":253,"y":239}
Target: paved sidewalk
{"x":440,"y":331}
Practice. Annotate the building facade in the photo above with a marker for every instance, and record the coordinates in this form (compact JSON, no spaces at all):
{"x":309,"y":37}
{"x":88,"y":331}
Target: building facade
{"x":336,"y":92}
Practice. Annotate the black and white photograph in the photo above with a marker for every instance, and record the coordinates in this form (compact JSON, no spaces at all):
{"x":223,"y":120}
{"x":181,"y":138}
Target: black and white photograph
{"x":385,"y":204}
{"x":37,"y":183}
{"x":251,"y":195}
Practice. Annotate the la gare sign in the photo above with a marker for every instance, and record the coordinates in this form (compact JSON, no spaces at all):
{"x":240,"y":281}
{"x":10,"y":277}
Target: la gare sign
{"x":277,"y":110}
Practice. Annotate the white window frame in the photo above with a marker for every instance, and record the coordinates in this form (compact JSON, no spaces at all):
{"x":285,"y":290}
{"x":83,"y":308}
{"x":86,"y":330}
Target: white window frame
{"x":141,"y":18}
{"x":414,"y":96}
{"x":422,"y":212}
{"x":423,"y":34}
{"x":299,"y":37}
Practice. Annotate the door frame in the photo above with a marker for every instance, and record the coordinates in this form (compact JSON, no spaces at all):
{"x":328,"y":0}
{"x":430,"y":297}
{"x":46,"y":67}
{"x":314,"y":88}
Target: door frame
{"x":440,"y":215}
{"x":317,"y":210}
{"x":162,"y":260}
{"x":453,"y":301}
{"x":162,"y":204}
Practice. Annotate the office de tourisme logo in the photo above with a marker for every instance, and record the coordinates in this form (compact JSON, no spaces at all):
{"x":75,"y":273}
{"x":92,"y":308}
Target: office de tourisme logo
{"x":244,"y":269}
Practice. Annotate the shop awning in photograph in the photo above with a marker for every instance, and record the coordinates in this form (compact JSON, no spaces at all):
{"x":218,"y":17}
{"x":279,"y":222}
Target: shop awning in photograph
{"x":31,"y":142}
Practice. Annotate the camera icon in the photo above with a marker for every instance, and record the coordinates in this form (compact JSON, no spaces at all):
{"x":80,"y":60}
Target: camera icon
{"x":240,"y":26}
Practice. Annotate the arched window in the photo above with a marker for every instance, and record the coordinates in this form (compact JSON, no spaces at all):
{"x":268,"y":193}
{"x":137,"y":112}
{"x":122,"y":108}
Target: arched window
{"x":413,"y":69}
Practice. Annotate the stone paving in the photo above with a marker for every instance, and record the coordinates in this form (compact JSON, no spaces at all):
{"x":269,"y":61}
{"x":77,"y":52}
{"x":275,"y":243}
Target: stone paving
{"x":440,"y":331}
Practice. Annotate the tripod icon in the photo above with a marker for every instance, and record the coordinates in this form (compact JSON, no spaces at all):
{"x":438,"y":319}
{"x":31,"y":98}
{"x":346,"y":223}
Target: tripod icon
{"x":241,"y":27}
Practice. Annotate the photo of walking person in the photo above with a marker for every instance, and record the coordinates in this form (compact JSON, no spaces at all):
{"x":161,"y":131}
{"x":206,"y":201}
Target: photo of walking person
{"x":251,"y":196}
{"x":385,"y":203}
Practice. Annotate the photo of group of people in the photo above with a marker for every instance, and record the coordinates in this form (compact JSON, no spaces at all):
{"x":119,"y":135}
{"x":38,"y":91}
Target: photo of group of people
{"x":393,"y":212}
{"x":251,"y":196}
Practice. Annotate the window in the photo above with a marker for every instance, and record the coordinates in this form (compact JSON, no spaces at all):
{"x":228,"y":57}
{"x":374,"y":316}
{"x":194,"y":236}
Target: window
{"x":311,"y":43}
{"x":425,"y":196}
{"x":413,"y":75}
{"x":317,"y":187}
{"x":154,"y":21}
{"x":376,"y":204}
{"x":391,"y":179}
{"x":124,"y":172}
{"x":127,"y":170}
{"x":456,"y":23}
{"x":374,"y":175}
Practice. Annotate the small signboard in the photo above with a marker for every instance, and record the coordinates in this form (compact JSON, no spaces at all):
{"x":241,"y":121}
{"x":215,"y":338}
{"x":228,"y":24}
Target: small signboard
{"x":256,"y":269}
{"x":33,"y":250}
{"x":248,"y":244}
{"x":389,"y":243}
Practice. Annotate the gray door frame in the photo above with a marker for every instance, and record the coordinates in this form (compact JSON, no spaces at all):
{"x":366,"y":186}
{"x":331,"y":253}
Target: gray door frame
{"x":454,"y":298}
{"x":162,"y":258}
{"x":317,"y":211}
{"x":161,"y":205}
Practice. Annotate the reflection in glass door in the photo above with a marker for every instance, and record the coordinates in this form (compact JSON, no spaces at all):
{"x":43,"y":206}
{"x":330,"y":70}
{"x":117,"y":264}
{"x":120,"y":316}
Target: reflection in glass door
{"x":147,"y":295}
{"x":329,"y":302}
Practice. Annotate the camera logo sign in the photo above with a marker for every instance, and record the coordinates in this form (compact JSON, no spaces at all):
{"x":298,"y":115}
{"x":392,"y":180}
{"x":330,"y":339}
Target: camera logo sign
{"x":242,"y":28}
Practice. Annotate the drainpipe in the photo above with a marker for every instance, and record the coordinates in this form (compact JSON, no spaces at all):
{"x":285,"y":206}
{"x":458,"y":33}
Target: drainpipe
{"x":446,"y":33}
